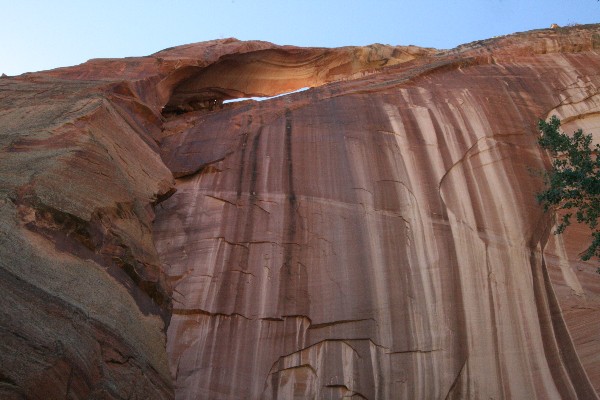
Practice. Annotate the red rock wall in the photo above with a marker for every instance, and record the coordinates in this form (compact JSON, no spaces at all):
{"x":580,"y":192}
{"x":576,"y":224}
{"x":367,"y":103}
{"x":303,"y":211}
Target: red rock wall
{"x":375,"y":236}
{"x":84,"y":299}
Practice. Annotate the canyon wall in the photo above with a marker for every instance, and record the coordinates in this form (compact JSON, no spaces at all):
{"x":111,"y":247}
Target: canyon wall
{"x":375,"y":236}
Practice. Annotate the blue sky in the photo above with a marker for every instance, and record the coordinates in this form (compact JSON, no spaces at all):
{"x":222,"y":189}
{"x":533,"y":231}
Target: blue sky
{"x":37,"y":35}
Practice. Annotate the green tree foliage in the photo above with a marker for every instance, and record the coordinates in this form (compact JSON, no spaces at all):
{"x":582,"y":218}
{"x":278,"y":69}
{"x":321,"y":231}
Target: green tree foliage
{"x":573,"y":183}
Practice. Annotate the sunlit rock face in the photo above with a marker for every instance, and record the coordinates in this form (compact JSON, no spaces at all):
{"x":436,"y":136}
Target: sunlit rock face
{"x":379,"y":236}
{"x":375,"y":236}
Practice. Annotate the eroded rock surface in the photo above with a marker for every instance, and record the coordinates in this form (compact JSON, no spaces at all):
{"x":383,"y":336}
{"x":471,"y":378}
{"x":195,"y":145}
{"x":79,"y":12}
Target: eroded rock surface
{"x":375,"y":236}
{"x":85,"y":300}
{"x":379,"y":236}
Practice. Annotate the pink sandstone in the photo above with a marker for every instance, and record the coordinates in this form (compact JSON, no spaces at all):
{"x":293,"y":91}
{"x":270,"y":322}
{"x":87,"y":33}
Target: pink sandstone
{"x":375,"y":236}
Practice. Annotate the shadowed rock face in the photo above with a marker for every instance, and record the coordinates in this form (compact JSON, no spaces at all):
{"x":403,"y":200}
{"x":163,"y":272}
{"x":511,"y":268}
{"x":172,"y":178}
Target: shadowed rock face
{"x":375,"y":236}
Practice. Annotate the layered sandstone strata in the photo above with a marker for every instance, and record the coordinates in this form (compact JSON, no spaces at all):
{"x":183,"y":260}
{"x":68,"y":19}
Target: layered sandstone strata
{"x":374,"y":236}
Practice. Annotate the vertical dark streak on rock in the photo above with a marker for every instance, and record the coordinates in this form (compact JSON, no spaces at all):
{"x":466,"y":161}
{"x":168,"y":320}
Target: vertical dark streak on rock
{"x":290,"y":226}
{"x":548,"y":335}
{"x":492,"y":305}
{"x":456,"y":305}
{"x":249,"y":211}
{"x":451,"y":394}
{"x":461,"y":349}
{"x":291,"y":195}
{"x":274,"y":386}
{"x":245,"y":215}
{"x":254,"y":165}
{"x":441,"y":139}
{"x":293,"y":294}
{"x":413,"y":286}
{"x":574,"y":369}
{"x":242,"y":157}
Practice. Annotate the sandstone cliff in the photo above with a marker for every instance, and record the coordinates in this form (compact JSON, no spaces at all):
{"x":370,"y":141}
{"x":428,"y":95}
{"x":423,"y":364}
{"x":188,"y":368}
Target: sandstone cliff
{"x":375,"y":236}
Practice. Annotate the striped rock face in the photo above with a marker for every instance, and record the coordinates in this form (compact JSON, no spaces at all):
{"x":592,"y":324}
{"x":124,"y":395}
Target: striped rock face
{"x":373,"y":236}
